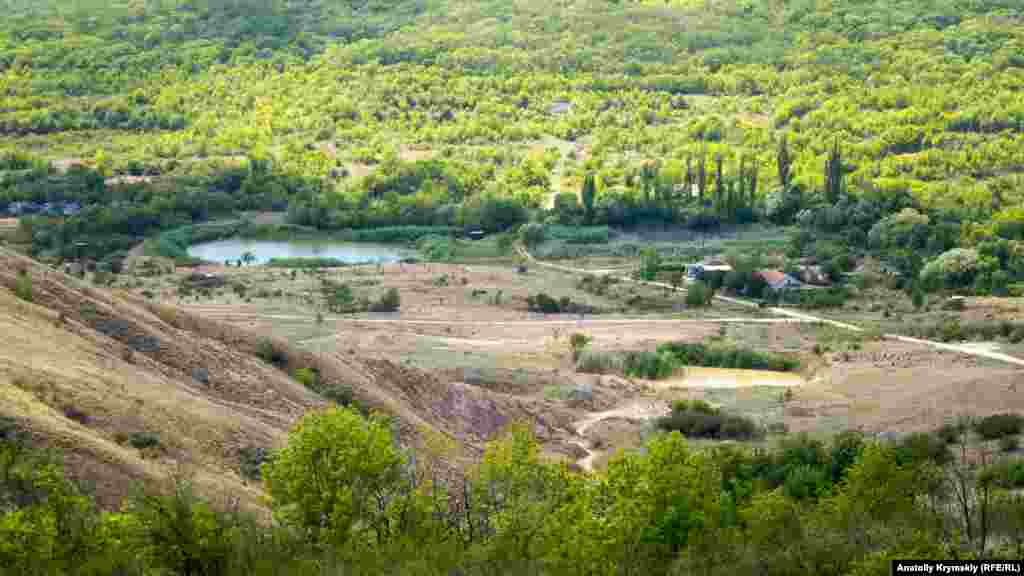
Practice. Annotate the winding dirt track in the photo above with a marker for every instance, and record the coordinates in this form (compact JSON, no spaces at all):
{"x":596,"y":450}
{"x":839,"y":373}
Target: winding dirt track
{"x":637,"y":411}
{"x":799,"y":316}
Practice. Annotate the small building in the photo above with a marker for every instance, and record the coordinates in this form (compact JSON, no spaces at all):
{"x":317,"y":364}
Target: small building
{"x":778,"y":280}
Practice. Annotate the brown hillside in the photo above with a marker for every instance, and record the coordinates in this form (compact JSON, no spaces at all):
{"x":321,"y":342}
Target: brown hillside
{"x":83,"y":368}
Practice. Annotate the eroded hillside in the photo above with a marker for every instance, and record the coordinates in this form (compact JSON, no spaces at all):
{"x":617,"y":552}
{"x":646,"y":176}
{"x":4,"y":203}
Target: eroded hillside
{"x":132,"y":391}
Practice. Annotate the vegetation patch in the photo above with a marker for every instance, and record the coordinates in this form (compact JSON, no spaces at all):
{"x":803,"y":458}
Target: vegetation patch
{"x":546,"y":304}
{"x":952,"y":329}
{"x":999,"y":426}
{"x":670,"y":357}
{"x":698,"y":419}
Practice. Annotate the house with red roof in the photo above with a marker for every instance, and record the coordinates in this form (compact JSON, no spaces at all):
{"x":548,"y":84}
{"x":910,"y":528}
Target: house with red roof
{"x":778,"y":280}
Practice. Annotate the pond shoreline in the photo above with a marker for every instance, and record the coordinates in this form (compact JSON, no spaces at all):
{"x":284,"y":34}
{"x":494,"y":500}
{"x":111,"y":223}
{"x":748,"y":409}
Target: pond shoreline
{"x":176,"y":243}
{"x":301,"y":252}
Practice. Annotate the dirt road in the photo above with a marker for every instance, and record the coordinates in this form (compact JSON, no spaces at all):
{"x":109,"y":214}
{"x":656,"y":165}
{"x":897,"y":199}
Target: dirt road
{"x":962,"y":349}
{"x":637,"y":411}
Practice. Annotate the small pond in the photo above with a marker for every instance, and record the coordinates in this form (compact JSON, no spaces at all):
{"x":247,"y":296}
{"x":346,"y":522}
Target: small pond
{"x":265,"y":250}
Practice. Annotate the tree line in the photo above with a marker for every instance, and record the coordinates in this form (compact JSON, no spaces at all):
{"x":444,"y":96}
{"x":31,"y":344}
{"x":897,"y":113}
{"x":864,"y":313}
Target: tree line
{"x":347,"y":499}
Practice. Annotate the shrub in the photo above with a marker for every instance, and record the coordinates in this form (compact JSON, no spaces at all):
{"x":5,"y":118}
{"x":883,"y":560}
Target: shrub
{"x":341,"y":395}
{"x":23,"y":286}
{"x":307,"y":377}
{"x":339,"y":297}
{"x":999,"y":426}
{"x":599,"y":362}
{"x":696,"y":295}
{"x":700,"y":420}
{"x":532,"y":234}
{"x":270,"y":354}
{"x":542,"y":303}
{"x":577,"y":342}
{"x":144,"y":440}
{"x":1008,"y":474}
{"x":922,"y":447}
{"x":1009,"y":443}
{"x":251,"y":459}
{"x":649,"y":365}
{"x":949,"y":432}
{"x":390,"y":301}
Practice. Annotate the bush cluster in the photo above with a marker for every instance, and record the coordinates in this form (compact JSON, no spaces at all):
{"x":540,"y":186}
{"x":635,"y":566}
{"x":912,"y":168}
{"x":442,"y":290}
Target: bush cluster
{"x":545,"y":304}
{"x":999,"y":425}
{"x":700,"y":420}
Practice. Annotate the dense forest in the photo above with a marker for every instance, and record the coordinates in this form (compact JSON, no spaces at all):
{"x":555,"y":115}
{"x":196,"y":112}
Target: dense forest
{"x":346,"y":500}
{"x":902,"y":123}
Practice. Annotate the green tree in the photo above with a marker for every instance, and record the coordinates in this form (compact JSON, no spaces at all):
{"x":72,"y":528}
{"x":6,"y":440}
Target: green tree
{"x":917,"y":297}
{"x":180,"y":533}
{"x":696,"y":295}
{"x":587,"y":194}
{"x":784,"y":162}
{"x":531,"y":234}
{"x":834,"y":175}
{"x":650,"y":264}
{"x":338,"y":479}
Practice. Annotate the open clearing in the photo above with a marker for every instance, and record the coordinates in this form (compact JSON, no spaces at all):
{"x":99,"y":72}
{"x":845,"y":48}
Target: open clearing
{"x":469,"y":325}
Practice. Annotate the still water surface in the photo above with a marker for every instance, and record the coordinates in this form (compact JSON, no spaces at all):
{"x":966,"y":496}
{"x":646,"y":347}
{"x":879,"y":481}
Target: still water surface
{"x":264,"y":250}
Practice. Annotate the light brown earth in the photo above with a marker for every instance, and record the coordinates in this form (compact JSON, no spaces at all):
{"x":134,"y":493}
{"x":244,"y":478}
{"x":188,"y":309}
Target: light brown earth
{"x":522,"y":359}
{"x":450,"y":362}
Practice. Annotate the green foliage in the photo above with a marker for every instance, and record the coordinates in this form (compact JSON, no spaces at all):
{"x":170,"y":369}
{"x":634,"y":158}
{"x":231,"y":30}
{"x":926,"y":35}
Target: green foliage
{"x":307,"y":377}
{"x":650,"y":264}
{"x":270,"y":353}
{"x":390,"y":301}
{"x":251,"y":460}
{"x":179,"y":533}
{"x":577,"y":234}
{"x":697,"y":295}
{"x":338,"y":480}
{"x":144,"y":440}
{"x":23,"y":286}
{"x":546,"y":304}
{"x":531,"y":234}
{"x":669,"y":357}
{"x":577,"y":344}
{"x":999,"y":426}
{"x":594,"y":362}
{"x":702,"y":421}
{"x":339,"y":297}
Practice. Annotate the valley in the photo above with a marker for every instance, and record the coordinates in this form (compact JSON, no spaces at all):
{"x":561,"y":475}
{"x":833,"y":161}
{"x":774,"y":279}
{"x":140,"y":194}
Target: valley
{"x":453,"y":287}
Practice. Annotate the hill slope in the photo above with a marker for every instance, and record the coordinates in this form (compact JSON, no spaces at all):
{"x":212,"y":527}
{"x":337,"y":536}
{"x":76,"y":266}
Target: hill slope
{"x":95,"y":373}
